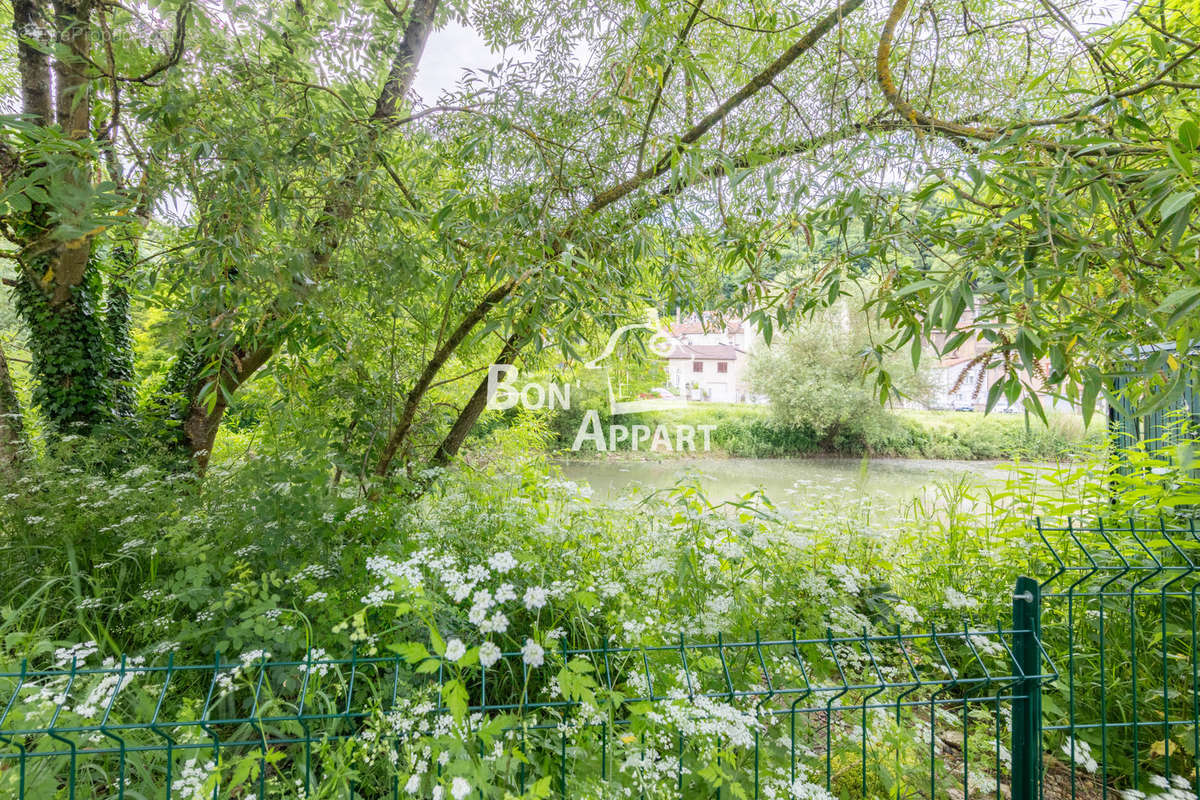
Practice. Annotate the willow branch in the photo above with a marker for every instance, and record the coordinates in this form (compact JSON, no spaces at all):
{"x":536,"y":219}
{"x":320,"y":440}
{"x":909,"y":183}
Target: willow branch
{"x":714,"y":117}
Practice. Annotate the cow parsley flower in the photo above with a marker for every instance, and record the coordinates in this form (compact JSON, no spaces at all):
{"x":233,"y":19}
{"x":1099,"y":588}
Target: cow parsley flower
{"x":502,"y":562}
{"x":489,"y":654}
{"x":497,"y":623}
{"x":535,"y":597}
{"x":460,"y":788}
{"x":455,"y":650}
{"x":533,"y":654}
{"x":957,"y":600}
{"x":1082,"y":754}
{"x":483,"y":598}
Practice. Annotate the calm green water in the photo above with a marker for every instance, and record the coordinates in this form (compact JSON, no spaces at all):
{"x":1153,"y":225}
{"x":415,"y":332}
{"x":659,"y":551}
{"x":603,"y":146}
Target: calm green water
{"x":791,"y":482}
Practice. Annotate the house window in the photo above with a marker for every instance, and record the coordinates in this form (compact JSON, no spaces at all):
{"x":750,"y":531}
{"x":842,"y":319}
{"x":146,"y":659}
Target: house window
{"x":722,"y":367}
{"x":697,"y":366}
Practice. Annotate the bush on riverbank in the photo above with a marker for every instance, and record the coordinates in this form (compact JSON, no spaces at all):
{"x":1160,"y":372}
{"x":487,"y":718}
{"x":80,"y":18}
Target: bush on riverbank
{"x":754,"y":432}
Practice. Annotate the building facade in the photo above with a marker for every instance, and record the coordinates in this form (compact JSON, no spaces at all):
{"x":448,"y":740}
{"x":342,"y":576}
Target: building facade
{"x":709,"y":359}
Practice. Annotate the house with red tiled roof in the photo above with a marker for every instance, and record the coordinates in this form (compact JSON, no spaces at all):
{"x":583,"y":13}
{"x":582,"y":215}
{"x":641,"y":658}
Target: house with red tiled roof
{"x":709,"y":359}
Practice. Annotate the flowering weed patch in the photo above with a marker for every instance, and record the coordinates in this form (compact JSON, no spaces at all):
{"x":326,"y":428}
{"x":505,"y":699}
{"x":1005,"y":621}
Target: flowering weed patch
{"x":503,"y":634}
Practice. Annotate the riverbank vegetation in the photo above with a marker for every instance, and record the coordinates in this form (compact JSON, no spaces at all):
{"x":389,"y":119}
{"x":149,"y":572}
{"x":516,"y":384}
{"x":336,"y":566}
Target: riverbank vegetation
{"x":508,"y":557}
{"x":755,"y":431}
{"x":818,"y":401}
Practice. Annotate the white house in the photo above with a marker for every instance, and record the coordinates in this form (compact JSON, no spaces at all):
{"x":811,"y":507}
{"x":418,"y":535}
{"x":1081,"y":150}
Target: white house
{"x":709,"y":359}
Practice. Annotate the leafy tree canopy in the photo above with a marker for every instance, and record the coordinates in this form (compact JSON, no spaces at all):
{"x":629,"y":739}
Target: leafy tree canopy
{"x":252,"y":200}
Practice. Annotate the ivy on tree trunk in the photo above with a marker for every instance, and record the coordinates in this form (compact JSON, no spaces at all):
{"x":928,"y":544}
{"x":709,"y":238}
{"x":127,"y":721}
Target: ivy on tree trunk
{"x":70,"y":359}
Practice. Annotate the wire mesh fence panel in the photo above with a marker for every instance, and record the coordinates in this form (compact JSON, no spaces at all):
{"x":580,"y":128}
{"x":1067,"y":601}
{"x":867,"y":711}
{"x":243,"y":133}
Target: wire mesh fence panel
{"x":1120,"y":604}
{"x":905,"y":714}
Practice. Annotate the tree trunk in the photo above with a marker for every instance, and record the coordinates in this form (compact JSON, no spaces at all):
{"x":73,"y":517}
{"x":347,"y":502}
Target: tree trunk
{"x":469,"y":415}
{"x":70,"y":357}
{"x":29,"y":24}
{"x":58,"y":294}
{"x":425,"y":380}
{"x":200,"y":430}
{"x":73,"y":110}
{"x":12,"y":431}
{"x":203,"y":420}
{"x":200,"y":426}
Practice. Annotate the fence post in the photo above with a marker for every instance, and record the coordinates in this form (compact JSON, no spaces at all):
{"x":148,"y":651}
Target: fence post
{"x":1027,"y":705}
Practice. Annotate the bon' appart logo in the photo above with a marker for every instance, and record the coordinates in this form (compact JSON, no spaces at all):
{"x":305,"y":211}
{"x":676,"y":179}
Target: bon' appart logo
{"x":504,"y":393}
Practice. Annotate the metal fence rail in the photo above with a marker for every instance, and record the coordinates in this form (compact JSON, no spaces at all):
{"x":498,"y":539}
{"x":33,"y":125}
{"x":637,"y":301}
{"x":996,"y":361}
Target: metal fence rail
{"x":1091,"y":688}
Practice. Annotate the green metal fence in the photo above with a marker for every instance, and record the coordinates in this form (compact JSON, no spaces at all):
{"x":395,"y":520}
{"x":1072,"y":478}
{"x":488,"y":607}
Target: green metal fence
{"x":1090,"y":688}
{"x":1119,"y":608}
{"x":692,"y":719}
{"x":1161,"y":430}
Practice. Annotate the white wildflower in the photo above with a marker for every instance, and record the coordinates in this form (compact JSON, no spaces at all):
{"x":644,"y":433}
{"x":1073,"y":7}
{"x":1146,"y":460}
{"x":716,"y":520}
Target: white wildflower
{"x":455,"y":650}
{"x":906,"y":613}
{"x":956,"y":600}
{"x":535,"y":597}
{"x":489,"y":654}
{"x":477,"y":616}
{"x":502,"y":562}
{"x":483,"y":598}
{"x":533,"y":654}
{"x":1083,"y":754}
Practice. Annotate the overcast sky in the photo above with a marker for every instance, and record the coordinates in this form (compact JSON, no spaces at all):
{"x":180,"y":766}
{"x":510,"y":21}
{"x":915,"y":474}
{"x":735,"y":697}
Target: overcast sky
{"x":447,"y":53}
{"x":457,"y":47}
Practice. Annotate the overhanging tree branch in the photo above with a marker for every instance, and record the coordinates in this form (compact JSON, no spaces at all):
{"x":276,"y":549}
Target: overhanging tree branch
{"x":408,"y":56}
{"x":923,"y":122}
{"x":434,"y":365}
{"x":751,"y":88}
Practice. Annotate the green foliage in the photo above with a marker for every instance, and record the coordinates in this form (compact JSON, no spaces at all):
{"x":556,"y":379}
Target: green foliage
{"x":149,"y":555}
{"x":752,"y":431}
{"x":350,"y":263}
{"x":269,"y":556}
{"x":1063,"y":238}
{"x":119,"y":340}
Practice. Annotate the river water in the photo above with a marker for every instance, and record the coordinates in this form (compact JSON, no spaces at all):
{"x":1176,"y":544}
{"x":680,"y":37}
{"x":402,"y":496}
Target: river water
{"x":792,"y":482}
